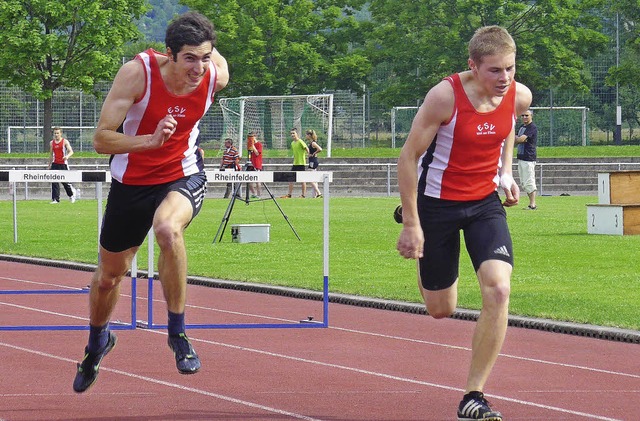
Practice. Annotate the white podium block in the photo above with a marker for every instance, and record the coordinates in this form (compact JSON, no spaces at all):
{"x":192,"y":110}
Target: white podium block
{"x":250,"y":233}
{"x":619,"y":188}
{"x":613,"y":219}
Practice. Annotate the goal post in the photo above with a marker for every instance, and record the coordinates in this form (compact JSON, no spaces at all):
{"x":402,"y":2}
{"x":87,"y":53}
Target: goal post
{"x":28,"y":139}
{"x":272,"y":117}
{"x":401,"y":120}
{"x":562,"y":126}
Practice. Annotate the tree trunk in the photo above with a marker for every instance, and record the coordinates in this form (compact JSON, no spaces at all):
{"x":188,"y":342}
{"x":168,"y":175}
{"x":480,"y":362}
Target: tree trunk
{"x":47,"y":133}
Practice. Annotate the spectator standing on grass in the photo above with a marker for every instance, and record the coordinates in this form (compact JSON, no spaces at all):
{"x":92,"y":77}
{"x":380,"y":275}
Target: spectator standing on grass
{"x":527,"y":142}
{"x":314,"y":150}
{"x":60,"y":152}
{"x":458,"y":152}
{"x":300,"y":152}
{"x":149,"y":124}
{"x":254,"y":148}
{"x":230,"y":161}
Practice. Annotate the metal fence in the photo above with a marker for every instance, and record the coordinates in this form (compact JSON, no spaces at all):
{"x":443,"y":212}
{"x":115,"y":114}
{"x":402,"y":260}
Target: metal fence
{"x":359,"y":121}
{"x":21,"y":117}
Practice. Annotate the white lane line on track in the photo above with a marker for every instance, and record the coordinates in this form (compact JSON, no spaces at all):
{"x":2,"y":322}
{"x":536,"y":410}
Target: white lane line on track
{"x":423,"y":342}
{"x":591,"y":416}
{"x":398,"y":378}
{"x":35,"y":395}
{"x":46,"y":284}
{"x":303,"y":360}
{"x":171,"y":385}
{"x":380,"y":335}
{"x":39,"y":310}
{"x":515,"y":357}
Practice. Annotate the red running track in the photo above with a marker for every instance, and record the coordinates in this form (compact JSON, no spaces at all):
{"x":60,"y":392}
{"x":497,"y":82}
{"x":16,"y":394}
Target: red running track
{"x":369,"y":364}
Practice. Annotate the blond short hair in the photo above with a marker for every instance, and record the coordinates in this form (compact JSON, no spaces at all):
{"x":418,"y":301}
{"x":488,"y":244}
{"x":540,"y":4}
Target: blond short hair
{"x":490,"y":40}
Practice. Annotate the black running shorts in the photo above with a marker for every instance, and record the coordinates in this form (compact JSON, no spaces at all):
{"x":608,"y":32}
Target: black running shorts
{"x":130,"y":209}
{"x":486,"y":236}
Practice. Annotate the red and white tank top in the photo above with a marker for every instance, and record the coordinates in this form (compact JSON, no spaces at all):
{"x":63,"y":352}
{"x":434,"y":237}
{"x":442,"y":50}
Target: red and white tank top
{"x":463,"y":161}
{"x":59,"y":151}
{"x":177,"y":157}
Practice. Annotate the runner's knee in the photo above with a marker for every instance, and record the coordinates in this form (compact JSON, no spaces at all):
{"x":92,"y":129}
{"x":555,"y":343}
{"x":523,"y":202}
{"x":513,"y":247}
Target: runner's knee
{"x":167,"y":234}
{"x":439,"y":312}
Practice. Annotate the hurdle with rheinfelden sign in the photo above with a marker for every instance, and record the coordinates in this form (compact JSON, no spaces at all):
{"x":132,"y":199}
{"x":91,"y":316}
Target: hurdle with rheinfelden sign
{"x":55,"y":176}
{"x":99,"y":177}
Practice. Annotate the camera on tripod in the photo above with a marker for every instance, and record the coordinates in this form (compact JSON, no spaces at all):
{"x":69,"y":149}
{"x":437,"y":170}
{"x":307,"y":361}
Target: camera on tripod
{"x":248,"y":166}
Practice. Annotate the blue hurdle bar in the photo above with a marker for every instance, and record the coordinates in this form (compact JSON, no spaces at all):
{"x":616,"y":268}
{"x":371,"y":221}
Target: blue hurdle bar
{"x":113,"y":325}
{"x":43,"y":291}
{"x":303,"y":324}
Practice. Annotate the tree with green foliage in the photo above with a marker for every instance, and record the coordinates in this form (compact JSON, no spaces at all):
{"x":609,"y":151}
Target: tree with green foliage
{"x":427,"y":40}
{"x":153,"y":24}
{"x":297,"y":47}
{"x":49,"y":44}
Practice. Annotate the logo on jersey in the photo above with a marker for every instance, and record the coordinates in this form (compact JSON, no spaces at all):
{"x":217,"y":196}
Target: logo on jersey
{"x":485,"y":129}
{"x":177,"y":111}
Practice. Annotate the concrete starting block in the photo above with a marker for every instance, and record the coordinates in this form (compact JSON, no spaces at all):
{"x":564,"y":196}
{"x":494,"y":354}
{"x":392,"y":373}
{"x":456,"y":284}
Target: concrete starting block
{"x":250,"y":233}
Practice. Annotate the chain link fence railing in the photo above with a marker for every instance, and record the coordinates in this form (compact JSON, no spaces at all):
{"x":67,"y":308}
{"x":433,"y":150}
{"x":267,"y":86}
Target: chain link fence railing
{"x":358,"y":120}
{"x":77,"y":113}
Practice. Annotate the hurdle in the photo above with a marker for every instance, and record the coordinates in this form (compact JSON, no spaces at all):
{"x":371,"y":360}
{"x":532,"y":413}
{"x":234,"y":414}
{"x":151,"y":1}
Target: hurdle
{"x":99,"y":177}
{"x":55,"y":176}
{"x":324,"y":177}
{"x":51,"y":176}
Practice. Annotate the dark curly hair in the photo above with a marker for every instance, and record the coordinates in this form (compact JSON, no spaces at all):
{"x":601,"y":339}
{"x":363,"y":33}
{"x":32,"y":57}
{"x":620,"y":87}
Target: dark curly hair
{"x":190,"y":28}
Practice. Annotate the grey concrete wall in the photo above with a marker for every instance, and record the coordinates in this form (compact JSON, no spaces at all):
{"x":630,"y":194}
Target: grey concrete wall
{"x":355,"y":176}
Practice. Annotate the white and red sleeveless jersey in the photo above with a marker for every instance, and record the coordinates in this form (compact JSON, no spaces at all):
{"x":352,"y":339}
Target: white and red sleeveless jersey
{"x":59,"y":151}
{"x":177,"y":157}
{"x":464,"y":159}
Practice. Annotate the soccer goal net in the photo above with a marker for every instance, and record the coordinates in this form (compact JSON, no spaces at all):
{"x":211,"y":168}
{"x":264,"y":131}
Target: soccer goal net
{"x":272,"y":117}
{"x":562,"y":126}
{"x":401,"y":119}
{"x":28,"y":139}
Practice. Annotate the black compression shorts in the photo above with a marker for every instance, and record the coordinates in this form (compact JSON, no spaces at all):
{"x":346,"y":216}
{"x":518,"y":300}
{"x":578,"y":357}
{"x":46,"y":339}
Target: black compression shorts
{"x":130,"y":209}
{"x":486,"y":235}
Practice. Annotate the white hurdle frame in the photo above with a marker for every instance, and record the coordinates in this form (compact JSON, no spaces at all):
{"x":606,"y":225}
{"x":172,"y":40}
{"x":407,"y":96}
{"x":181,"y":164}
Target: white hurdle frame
{"x":98,"y":177}
{"x":55,"y":176}
{"x":216,"y":176}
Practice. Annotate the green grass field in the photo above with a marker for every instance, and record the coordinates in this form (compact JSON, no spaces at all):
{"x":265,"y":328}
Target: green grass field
{"x":543,"y":152}
{"x":561,"y":272}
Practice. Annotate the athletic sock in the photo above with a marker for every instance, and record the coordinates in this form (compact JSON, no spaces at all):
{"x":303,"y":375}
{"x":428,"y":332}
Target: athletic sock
{"x":98,"y":337}
{"x":176,"y":323}
{"x":474,"y":394}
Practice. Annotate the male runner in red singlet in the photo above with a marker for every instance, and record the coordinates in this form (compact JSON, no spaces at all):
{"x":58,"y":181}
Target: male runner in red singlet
{"x":158,"y":181}
{"x":60,"y":152}
{"x":461,"y":143}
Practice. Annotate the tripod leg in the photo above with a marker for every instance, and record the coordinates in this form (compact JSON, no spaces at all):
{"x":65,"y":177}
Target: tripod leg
{"x":225,"y":217}
{"x":281,"y":211}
